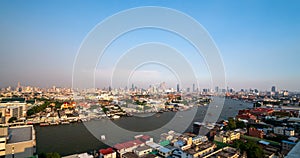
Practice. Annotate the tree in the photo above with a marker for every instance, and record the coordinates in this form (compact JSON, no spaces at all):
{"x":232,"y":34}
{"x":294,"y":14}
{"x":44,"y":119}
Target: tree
{"x":252,"y":149}
{"x":52,"y":155}
{"x":12,"y":119}
{"x":240,"y":124}
{"x":231,"y":123}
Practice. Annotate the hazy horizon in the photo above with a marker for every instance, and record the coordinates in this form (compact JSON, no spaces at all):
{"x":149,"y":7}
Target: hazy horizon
{"x":258,"y":42}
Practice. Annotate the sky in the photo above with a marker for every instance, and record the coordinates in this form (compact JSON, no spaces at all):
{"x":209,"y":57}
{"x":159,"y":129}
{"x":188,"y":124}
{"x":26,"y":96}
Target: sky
{"x":258,"y":41}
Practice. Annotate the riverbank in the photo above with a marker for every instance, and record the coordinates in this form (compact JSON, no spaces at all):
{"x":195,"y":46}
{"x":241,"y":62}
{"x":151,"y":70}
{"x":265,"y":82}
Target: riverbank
{"x":75,"y":137}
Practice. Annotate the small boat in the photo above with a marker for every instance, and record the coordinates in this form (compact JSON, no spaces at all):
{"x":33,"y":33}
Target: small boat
{"x":115,"y":117}
{"x":44,"y":124}
{"x":53,"y":123}
{"x":65,"y":122}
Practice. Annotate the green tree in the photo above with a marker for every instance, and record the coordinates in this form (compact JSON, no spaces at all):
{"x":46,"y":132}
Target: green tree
{"x":231,"y":123}
{"x":12,"y":119}
{"x":252,"y":149}
{"x":240,"y":124}
{"x":52,"y":155}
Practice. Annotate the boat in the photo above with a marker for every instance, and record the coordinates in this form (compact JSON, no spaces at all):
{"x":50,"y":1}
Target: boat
{"x":65,"y":122}
{"x":53,"y":123}
{"x":102,"y":137}
{"x":115,"y":117}
{"x":44,"y":124}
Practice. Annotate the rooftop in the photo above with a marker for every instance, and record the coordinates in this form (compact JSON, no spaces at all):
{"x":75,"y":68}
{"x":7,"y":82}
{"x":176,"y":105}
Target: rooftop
{"x":20,"y":134}
{"x":295,"y":152}
{"x":142,"y":148}
{"x":130,"y":155}
{"x":128,"y":144}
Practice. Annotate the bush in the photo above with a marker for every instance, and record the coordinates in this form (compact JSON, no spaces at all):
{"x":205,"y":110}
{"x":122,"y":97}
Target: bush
{"x":12,"y":119}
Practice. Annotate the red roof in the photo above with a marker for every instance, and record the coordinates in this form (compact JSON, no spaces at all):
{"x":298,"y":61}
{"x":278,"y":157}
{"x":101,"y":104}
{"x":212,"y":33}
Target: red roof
{"x":128,"y":144}
{"x":246,"y":116}
{"x":106,"y":151}
{"x":145,"y":138}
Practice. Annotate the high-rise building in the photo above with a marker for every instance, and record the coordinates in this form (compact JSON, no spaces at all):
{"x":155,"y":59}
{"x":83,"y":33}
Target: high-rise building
{"x":194,"y":87}
{"x":178,"y":89}
{"x":273,"y":89}
{"x":217,"y":89}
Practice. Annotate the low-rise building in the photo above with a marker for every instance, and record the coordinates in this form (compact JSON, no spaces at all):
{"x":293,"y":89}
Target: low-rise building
{"x":17,"y":141}
{"x":200,"y":150}
{"x":128,"y":146}
{"x":142,"y":150}
{"x":289,"y":132}
{"x":227,"y":152}
{"x":279,"y":130}
{"x":107,"y":153}
{"x":162,"y":151}
{"x":284,"y":131}
{"x":256,"y":132}
{"x":286,"y":146}
{"x":226,"y":137}
{"x":129,"y":155}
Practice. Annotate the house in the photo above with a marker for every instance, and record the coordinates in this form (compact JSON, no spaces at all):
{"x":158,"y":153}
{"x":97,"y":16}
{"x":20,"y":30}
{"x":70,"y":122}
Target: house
{"x":163,"y":151}
{"x":256,"y":132}
{"x":226,"y":137}
{"x":286,"y":146}
{"x":284,"y":131}
{"x":128,"y":146}
{"x":107,"y":153}
{"x":289,"y":132}
{"x":279,"y":130}
{"x":227,"y":152}
{"x":129,"y":155}
{"x":142,"y":150}
{"x":200,"y":150}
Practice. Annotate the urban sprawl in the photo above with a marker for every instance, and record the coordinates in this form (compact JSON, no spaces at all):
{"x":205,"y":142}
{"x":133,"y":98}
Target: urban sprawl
{"x":269,"y":129}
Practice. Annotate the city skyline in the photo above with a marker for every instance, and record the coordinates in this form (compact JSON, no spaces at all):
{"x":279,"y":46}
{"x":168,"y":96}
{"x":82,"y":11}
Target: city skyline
{"x":258,"y":42}
{"x":159,"y":86}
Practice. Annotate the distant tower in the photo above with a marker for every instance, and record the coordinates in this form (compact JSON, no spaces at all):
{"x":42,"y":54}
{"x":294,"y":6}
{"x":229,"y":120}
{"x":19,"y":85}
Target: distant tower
{"x":273,"y":89}
{"x":19,"y":88}
{"x":194,"y":87}
{"x":178,"y":88}
{"x":217,"y":89}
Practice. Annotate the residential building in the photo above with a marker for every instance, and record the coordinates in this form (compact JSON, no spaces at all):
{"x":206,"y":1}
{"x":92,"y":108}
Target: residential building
{"x":227,"y":152}
{"x":142,"y":150}
{"x":20,"y":143}
{"x":256,"y":132}
{"x":286,"y":146}
{"x":163,"y":151}
{"x":226,"y":137}
{"x":279,"y":130}
{"x":200,"y":150}
{"x":107,"y":153}
{"x":128,"y":146}
{"x":289,"y":132}
{"x":129,"y":155}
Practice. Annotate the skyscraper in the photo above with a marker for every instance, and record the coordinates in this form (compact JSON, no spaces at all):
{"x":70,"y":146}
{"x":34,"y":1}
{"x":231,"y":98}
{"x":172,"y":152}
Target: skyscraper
{"x":194,"y":87}
{"x":273,"y":89}
{"x":178,"y":90}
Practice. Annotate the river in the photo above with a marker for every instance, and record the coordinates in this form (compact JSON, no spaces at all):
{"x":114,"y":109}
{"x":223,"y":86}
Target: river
{"x":83,"y":137}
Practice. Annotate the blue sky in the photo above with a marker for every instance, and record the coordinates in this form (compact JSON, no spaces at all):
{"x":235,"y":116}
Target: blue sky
{"x":258,"y":40}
